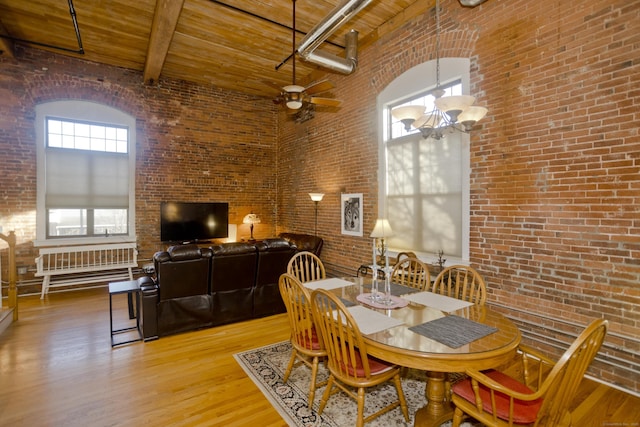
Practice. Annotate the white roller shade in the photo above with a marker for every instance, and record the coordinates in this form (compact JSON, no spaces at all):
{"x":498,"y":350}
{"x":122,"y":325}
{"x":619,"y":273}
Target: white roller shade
{"x":424,"y":200}
{"x":86,"y":179}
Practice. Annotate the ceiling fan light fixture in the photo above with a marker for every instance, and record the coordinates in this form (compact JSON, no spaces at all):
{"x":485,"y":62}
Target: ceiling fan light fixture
{"x":294,"y":105}
{"x":293,"y":88}
{"x":294,"y":96}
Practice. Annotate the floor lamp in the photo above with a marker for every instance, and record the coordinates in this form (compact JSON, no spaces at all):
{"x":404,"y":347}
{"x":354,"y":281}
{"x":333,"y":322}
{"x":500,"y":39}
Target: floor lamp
{"x":316,"y":197}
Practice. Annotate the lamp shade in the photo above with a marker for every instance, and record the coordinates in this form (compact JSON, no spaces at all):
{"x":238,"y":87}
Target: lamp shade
{"x":251,"y":219}
{"x":454,"y":103}
{"x":408,"y":112}
{"x":472,"y":114}
{"x":382,"y":228}
{"x":316,"y":197}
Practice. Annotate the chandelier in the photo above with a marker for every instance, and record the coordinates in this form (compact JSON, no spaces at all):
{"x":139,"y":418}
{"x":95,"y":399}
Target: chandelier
{"x":449,"y":114}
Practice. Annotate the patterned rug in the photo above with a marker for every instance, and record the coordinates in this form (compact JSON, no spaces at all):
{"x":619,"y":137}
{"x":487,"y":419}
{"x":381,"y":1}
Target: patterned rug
{"x":266,"y":367}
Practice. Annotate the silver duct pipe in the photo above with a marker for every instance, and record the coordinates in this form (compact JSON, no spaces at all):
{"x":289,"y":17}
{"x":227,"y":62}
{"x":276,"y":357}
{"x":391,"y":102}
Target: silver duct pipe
{"x":345,"y":65}
{"x":324,"y":29}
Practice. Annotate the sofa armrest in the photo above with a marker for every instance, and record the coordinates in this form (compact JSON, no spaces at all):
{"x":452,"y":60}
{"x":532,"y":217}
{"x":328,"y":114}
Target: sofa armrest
{"x":148,"y":314}
{"x":304,"y":242}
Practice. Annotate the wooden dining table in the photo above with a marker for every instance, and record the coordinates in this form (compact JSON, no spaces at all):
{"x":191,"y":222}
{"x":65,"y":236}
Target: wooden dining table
{"x":404,"y":347}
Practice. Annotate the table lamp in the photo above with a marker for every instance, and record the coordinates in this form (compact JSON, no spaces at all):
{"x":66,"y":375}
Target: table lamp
{"x":381,"y":230}
{"x":251,"y":219}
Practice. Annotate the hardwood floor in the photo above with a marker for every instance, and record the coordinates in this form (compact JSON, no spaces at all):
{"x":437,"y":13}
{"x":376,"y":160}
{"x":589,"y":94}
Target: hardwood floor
{"x":57,"y":368}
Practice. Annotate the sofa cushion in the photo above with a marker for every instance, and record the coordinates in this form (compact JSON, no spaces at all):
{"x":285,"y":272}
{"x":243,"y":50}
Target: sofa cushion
{"x":184,"y":314}
{"x":273,"y":256}
{"x":182,"y":271}
{"x":187,"y":252}
{"x":233,"y":276}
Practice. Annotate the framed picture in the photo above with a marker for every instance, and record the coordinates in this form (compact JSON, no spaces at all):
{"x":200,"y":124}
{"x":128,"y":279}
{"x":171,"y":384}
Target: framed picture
{"x":351,"y":214}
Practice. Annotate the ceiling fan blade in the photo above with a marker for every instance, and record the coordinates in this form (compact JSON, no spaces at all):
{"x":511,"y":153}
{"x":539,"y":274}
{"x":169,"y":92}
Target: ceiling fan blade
{"x":317,"y":87}
{"x":325,"y":101}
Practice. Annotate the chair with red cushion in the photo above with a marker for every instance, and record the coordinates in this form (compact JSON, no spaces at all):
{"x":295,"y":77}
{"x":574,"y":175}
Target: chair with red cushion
{"x":542,"y":398}
{"x":307,"y":347}
{"x":347,"y":360}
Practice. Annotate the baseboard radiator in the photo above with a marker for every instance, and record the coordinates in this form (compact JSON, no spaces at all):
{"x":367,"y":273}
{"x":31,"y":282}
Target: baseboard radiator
{"x":73,"y":265}
{"x":617,"y":359}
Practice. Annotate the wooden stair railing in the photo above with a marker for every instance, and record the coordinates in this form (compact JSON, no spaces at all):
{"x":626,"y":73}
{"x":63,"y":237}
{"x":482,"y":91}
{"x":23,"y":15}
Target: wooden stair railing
{"x":13,"y":272}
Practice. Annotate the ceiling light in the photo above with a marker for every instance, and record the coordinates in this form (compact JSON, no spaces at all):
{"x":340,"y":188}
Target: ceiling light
{"x":294,"y":96}
{"x":449,"y":114}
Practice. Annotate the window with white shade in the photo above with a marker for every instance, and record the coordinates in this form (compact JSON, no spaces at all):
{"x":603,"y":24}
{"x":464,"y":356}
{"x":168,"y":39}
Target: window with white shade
{"x":424,"y":183}
{"x":86,"y":169}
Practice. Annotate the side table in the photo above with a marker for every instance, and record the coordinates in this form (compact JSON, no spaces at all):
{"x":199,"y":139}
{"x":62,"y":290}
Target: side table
{"x":130,"y":287}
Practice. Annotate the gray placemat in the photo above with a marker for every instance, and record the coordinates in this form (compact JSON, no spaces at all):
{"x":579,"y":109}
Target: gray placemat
{"x":396,"y":289}
{"x":347,"y":303}
{"x":453,"y":331}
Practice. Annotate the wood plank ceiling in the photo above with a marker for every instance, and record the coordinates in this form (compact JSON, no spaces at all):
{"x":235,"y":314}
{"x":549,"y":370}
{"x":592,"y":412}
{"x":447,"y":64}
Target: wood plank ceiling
{"x":231,"y":44}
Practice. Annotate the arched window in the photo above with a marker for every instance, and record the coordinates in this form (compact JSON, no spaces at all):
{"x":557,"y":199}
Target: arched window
{"x":424,"y":183}
{"x":86,"y":173}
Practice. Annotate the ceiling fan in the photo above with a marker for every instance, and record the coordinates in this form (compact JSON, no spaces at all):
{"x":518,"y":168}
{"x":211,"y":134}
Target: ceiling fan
{"x":294,"y":96}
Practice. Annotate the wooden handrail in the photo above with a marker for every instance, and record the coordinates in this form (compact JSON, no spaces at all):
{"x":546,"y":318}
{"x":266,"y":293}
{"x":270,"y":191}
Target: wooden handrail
{"x":13,"y":272}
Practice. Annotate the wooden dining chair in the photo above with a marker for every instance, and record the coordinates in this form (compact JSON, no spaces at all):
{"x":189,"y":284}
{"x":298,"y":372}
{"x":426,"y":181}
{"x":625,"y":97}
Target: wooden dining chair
{"x":307,"y":348}
{"x":306,"y":266}
{"x":411,"y":272}
{"x":347,"y":360}
{"x":543,"y":395}
{"x":403,"y":255}
{"x":461,"y":282}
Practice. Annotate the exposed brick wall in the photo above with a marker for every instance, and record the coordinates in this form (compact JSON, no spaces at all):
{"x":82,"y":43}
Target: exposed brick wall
{"x":194,"y":144}
{"x":555,"y":183}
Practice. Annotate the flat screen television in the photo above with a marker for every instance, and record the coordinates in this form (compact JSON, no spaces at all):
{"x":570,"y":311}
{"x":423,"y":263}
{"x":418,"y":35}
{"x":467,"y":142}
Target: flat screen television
{"x":193,"y":221}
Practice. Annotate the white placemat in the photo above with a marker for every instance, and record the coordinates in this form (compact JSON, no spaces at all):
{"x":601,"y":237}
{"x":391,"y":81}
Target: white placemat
{"x":437,"y":301}
{"x":327,"y":284}
{"x":370,"y":321}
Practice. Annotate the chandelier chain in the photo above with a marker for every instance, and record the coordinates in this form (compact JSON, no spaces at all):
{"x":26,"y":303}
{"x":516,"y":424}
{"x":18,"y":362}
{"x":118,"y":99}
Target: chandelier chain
{"x":438,"y":44}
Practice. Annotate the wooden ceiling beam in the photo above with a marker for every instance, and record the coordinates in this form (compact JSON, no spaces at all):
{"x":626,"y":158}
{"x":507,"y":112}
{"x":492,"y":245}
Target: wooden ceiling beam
{"x":6,"y":45}
{"x":165,"y":20}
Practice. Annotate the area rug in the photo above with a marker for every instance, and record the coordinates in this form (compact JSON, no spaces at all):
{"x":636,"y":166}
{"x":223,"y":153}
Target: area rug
{"x":266,"y":367}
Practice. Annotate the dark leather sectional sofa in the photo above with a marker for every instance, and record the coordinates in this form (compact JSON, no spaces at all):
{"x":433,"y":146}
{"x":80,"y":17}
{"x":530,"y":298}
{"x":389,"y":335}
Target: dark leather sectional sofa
{"x":198,"y":287}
